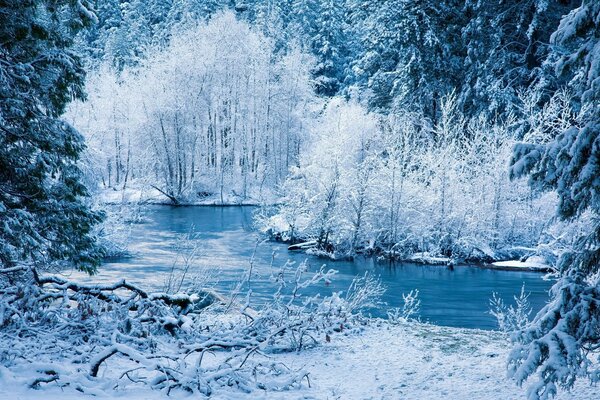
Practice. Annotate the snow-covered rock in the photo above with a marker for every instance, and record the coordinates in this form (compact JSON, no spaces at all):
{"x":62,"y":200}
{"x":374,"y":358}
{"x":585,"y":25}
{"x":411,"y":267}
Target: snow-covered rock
{"x":533,"y":263}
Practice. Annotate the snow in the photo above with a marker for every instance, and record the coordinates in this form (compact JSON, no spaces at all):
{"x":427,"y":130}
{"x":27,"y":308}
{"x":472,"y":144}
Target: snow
{"x":404,"y":361}
{"x":532,"y":263}
{"x":303,"y":246}
{"x":368,"y":183}
{"x":425,"y":258}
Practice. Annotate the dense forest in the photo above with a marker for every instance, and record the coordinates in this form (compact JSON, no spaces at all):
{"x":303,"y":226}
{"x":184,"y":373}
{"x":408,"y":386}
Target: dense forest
{"x":381,"y":127}
{"x":467,"y":130}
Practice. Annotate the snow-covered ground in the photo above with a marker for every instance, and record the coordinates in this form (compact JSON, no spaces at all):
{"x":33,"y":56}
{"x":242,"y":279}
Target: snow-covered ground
{"x":405,"y":361}
{"x":532,"y":263}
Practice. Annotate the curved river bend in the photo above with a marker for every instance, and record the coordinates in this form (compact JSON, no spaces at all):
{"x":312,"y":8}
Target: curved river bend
{"x":226,"y":239}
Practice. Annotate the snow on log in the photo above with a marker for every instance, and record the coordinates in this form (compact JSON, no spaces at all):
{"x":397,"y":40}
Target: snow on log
{"x":303,"y":246}
{"x":117,"y":348}
{"x":425,"y":258}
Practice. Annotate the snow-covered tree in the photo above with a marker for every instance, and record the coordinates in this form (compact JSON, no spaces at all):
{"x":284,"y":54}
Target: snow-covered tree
{"x":126,"y":30}
{"x":406,"y":57}
{"x":370,"y":182}
{"x":216,"y":111}
{"x":329,"y":46}
{"x":562,"y":342}
{"x":506,"y":44}
{"x":45,"y":219}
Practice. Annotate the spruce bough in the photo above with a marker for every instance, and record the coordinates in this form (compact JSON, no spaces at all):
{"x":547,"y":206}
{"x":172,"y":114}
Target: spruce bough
{"x":44,"y":219}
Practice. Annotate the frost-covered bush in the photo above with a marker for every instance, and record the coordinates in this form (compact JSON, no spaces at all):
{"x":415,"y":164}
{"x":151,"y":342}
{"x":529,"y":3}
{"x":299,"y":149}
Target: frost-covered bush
{"x":410,"y":308}
{"x":511,"y":318}
{"x":390,"y":184}
{"x":114,"y":233}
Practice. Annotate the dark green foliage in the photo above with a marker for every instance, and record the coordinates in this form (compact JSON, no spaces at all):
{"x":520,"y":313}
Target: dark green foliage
{"x":391,"y":53}
{"x":571,"y":162}
{"x":43,"y":217}
{"x":127,"y":29}
{"x":506,"y":44}
{"x":327,"y":38}
{"x":412,"y":53}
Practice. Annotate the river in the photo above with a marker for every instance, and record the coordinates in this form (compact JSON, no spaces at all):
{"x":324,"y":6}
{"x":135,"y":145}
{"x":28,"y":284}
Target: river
{"x":226,"y":241}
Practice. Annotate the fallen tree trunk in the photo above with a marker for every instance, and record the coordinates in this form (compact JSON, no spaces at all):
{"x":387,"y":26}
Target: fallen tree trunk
{"x":170,"y":196}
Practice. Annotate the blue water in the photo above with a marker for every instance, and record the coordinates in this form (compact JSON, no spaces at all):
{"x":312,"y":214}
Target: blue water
{"x":227,"y":240}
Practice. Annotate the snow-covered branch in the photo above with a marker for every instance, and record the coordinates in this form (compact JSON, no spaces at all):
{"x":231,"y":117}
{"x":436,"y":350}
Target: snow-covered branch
{"x":123,"y":334}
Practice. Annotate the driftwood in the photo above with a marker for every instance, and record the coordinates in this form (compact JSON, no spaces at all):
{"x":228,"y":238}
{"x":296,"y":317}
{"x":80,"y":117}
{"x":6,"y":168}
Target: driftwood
{"x":99,"y":291}
{"x":303,"y":246}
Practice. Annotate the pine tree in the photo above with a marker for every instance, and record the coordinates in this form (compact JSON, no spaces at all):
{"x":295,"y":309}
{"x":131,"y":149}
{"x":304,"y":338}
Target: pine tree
{"x":328,"y":44}
{"x":506,"y":44}
{"x":44,"y":219}
{"x":407,"y":58}
{"x":562,"y":342}
{"x":92,"y":41}
{"x":273,"y":18}
{"x":127,"y":29}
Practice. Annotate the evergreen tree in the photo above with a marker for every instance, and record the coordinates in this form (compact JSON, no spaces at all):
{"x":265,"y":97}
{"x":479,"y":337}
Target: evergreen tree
{"x":506,"y":44}
{"x":328,"y":44}
{"x":126,"y":29}
{"x":274,"y":18}
{"x":318,"y":26}
{"x":562,"y":342}
{"x":410,"y":53}
{"x":92,"y":41}
{"x":126,"y":43}
{"x":44,"y":218}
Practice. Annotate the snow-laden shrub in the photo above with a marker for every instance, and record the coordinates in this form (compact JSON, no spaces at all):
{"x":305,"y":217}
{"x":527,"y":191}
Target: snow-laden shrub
{"x":511,"y":318}
{"x":410,"y":308}
{"x":372,"y":183}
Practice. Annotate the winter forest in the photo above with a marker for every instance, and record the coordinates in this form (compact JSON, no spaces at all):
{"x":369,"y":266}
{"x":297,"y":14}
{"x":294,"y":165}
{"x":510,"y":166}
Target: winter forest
{"x":265,"y":198}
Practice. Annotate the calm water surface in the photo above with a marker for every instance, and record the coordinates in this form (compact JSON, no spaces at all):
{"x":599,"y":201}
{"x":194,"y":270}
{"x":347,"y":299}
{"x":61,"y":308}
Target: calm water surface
{"x":227,"y":241}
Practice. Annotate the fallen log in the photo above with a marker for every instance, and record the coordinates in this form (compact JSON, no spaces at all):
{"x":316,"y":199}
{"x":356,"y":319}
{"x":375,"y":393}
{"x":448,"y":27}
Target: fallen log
{"x":303,"y":246}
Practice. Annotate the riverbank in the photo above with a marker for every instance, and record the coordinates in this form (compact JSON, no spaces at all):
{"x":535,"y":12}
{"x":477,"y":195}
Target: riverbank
{"x":531,"y":263}
{"x":151,"y":195}
{"x":510,"y":259}
{"x":409,"y":361}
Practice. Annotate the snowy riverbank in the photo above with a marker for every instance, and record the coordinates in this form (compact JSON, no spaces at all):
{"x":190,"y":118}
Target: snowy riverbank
{"x":489,"y":260}
{"x":150,"y":195}
{"x":474,"y":254}
{"x":405,"y":361}
{"x":533,"y":263}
